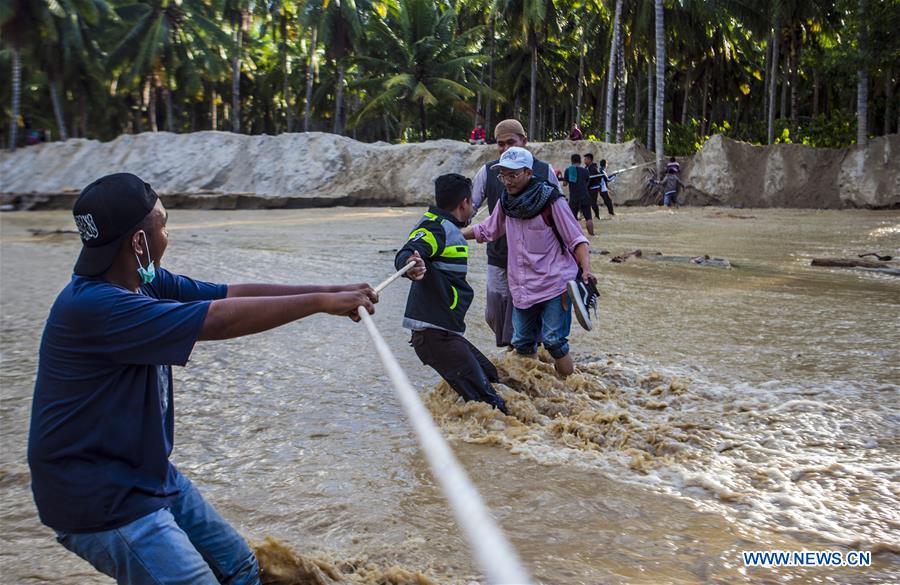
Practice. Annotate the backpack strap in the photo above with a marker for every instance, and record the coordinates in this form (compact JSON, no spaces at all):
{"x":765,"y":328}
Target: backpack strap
{"x":547,"y":216}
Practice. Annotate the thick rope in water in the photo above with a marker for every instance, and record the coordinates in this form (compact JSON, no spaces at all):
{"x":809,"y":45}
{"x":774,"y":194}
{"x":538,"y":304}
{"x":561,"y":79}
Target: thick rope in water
{"x":495,"y":555}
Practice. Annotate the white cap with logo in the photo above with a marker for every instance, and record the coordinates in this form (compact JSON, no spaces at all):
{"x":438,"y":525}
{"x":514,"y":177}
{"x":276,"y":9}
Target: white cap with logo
{"x":515,"y":157}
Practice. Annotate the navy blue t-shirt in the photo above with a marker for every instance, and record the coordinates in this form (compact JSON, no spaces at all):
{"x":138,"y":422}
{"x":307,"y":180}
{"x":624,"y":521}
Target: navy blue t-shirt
{"x":102,"y":417}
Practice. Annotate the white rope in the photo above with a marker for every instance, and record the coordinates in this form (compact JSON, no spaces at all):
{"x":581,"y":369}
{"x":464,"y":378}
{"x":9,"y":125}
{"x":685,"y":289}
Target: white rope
{"x":393,"y":277}
{"x":495,"y":555}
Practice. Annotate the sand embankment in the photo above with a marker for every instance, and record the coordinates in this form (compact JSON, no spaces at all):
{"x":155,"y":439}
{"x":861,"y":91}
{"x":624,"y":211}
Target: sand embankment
{"x":225,"y":170}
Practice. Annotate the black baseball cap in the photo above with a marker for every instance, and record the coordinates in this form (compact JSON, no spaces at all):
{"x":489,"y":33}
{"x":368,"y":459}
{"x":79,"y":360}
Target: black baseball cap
{"x":105,"y":212}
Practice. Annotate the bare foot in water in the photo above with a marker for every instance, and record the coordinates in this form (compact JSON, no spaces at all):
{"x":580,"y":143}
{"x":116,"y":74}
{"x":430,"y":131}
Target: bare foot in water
{"x":565,"y":366}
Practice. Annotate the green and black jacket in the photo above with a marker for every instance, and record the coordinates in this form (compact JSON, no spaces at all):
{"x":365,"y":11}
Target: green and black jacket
{"x":441,"y":299}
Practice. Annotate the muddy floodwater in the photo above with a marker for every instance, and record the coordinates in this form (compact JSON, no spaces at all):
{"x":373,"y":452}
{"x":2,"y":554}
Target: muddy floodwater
{"x":714,"y":410}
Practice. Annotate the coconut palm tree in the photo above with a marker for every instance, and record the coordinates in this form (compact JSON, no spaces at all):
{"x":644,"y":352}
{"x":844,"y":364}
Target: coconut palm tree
{"x":862,"y":84}
{"x":19,"y":21}
{"x":161,"y":35}
{"x":611,"y":72}
{"x":660,"y":84}
{"x":417,"y":61}
{"x":341,"y":30}
{"x":530,"y":22}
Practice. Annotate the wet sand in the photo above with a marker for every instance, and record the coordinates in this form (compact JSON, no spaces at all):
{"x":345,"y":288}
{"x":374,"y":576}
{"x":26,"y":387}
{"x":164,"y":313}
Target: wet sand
{"x":714,"y":410}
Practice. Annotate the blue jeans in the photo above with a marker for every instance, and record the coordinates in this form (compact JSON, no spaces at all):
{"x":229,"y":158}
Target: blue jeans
{"x":671,"y":198}
{"x":549,"y":319}
{"x":187,"y":543}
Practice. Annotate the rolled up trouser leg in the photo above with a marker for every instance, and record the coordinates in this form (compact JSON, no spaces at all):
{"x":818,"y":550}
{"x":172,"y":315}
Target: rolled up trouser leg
{"x":498,"y":310}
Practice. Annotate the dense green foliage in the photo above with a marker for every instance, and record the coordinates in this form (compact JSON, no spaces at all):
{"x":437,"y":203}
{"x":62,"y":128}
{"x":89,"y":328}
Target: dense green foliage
{"x":402,"y":70}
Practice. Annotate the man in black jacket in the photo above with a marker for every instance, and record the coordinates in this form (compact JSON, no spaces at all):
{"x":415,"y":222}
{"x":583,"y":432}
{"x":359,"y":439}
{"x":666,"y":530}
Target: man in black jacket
{"x":440,"y":296}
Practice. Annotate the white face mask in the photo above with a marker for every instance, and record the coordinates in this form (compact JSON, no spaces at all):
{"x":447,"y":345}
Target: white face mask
{"x":149,"y":273}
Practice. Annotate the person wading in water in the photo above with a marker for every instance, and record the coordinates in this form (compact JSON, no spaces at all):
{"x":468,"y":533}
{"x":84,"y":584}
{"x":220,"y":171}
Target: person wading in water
{"x":440,"y":296}
{"x":102,"y":418}
{"x":486,"y":186}
{"x":546,"y":251}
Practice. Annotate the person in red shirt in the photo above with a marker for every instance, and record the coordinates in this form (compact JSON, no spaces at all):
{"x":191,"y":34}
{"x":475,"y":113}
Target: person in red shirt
{"x":478,"y":135}
{"x":576,"y":134}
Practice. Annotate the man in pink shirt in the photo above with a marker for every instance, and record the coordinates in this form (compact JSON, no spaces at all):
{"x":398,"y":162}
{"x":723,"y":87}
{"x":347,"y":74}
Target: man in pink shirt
{"x":546,"y":249}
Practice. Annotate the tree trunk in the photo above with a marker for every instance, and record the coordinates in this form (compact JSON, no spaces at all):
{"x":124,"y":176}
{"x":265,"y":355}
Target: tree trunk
{"x":578,"y":91}
{"x":213,"y":110}
{"x":704,"y":121}
{"x":686,"y":98}
{"x":553,"y":121}
{"x":785,"y":82}
{"x":337,"y":127}
{"x":815,"y":104}
{"x":489,"y":109}
{"x":862,"y":85}
{"x":151,"y":105}
{"x":236,"y":76}
{"x":888,"y":98}
{"x":620,"y":97}
{"x":137,"y":122}
{"x":611,"y":72}
{"x":773,"y":80}
{"x":423,"y":123}
{"x":541,"y":114}
{"x":660,"y":85}
{"x":57,"y":110}
{"x":532,"y":106}
{"x":795,"y":66}
{"x":766,"y":78}
{"x":170,"y":114}
{"x":636,"y":116}
{"x":16,"y":97}
{"x":309,"y":79}
{"x":651,"y":74}
{"x":83,"y":110}
{"x":286,"y":81}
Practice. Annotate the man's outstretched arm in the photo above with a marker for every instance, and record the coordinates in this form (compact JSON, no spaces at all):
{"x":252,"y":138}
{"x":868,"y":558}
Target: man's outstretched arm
{"x":236,"y":317}
{"x":280,"y":290}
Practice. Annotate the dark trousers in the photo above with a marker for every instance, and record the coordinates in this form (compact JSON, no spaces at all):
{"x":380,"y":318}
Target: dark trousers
{"x":466,"y":369}
{"x":606,"y":200}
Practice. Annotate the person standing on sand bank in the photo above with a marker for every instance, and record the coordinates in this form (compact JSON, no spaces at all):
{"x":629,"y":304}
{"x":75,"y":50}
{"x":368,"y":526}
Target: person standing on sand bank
{"x":545,"y":241}
{"x":486,"y":186}
{"x":577,"y":178}
{"x":102,"y":418}
{"x":599,"y":185}
{"x":670,"y":185}
{"x":440,"y":296}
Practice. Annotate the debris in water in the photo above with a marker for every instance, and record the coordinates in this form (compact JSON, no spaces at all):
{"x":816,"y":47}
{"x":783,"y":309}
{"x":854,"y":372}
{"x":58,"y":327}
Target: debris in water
{"x":878,"y":256}
{"x":731,"y":215}
{"x":870,"y":265}
{"x":43,"y":232}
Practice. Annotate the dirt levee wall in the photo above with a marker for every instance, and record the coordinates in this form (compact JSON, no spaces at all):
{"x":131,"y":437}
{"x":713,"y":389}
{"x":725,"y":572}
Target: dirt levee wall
{"x":225,"y":170}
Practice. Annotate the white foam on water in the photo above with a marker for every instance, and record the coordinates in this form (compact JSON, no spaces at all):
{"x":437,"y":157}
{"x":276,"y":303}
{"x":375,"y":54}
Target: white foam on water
{"x":821,"y":461}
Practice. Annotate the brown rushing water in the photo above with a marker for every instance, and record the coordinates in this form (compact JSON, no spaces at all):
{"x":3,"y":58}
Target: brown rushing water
{"x":714,"y":410}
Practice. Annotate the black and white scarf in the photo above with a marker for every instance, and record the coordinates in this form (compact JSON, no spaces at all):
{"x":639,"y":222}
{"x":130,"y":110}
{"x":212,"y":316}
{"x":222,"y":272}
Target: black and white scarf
{"x":530,"y":202}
